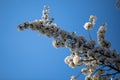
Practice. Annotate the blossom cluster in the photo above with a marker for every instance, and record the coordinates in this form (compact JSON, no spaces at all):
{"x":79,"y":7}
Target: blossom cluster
{"x":101,"y":36}
{"x":89,"y":25}
{"x":101,"y":63}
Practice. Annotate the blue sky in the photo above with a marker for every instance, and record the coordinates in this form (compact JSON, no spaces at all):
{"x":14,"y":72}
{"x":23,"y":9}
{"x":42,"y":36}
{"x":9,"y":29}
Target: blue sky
{"x":29,"y":56}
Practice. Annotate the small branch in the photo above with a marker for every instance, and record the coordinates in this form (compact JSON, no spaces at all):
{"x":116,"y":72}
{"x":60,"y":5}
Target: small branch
{"x":89,"y":35}
{"x":111,"y":67}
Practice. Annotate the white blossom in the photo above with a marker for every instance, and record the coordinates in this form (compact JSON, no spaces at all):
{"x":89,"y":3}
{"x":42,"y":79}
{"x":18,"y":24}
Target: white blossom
{"x":20,"y":27}
{"x":72,"y":65}
{"x":88,"y":25}
{"x":92,"y":18}
{"x":68,"y":59}
{"x":76,"y":59}
{"x":73,"y":78}
{"x":84,"y":70}
{"x":56,"y":44}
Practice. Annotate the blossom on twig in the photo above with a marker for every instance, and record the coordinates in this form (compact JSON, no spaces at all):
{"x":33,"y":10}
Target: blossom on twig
{"x":99,"y":61}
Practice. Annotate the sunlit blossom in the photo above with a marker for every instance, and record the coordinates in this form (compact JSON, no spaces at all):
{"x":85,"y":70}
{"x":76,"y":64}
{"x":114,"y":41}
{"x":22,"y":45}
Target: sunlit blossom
{"x":88,"y":25}
{"x":92,"y":18}
{"x":73,"y":78}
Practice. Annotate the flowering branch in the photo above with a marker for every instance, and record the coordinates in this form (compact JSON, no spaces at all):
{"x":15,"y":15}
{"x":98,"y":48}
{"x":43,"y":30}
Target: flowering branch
{"x":97,"y":59}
